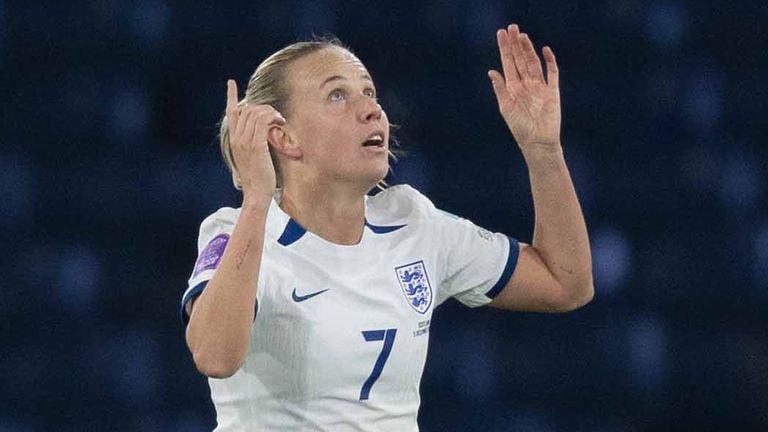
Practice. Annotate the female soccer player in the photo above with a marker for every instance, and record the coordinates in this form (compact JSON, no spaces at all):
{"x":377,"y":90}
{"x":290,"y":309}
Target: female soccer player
{"x":309,"y":306}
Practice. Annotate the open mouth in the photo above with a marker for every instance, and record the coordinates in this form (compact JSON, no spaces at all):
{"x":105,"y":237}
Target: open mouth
{"x":375,"y":139}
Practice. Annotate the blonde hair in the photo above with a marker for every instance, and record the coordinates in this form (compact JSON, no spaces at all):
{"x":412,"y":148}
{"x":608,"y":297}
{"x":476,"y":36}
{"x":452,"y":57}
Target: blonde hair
{"x":268,"y":86}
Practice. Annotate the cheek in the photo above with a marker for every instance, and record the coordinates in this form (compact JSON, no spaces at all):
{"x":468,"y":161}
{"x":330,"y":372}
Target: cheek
{"x":312,"y":131}
{"x":325,"y":139}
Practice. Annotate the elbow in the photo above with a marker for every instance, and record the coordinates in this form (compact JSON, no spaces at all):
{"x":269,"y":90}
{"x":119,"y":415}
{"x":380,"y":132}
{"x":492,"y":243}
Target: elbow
{"x":214,"y":356}
{"x":575,"y":295}
{"x":586,"y":292}
{"x":218,"y":367}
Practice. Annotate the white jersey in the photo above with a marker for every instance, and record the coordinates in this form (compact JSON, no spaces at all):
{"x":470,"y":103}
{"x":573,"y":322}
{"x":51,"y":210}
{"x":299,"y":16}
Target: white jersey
{"x":340,"y":334}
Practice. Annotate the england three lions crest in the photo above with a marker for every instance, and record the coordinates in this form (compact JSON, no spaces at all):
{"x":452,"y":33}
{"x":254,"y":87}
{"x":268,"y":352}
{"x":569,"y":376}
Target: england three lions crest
{"x":414,"y":281}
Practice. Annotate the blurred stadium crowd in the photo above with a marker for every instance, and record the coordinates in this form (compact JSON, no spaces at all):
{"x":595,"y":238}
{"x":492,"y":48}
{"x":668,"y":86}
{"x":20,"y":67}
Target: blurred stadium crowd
{"x":110,"y":161}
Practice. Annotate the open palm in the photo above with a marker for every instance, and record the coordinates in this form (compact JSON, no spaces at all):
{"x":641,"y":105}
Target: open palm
{"x":529,"y":104}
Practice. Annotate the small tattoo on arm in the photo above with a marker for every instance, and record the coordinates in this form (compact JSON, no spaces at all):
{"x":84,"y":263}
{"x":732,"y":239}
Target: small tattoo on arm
{"x":565,"y":269}
{"x":242,"y":255}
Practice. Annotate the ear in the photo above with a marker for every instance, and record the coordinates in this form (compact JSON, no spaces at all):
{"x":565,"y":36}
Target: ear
{"x":283,"y":142}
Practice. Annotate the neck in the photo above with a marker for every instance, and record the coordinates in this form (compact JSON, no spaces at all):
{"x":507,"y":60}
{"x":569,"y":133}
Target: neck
{"x":336,"y":214}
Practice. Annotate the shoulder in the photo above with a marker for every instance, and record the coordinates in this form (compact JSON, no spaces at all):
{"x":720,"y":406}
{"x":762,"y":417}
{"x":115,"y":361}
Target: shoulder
{"x":223,"y":217}
{"x":217,"y":224}
{"x":402,"y":204}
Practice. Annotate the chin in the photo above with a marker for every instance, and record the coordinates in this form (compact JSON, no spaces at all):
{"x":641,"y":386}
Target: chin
{"x":383,"y":171}
{"x":376,"y":175}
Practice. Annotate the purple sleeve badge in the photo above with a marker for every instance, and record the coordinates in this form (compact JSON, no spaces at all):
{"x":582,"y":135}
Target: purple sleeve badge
{"x":211,"y":256}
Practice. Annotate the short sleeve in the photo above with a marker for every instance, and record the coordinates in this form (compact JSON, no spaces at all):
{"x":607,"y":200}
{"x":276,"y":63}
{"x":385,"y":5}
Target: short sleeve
{"x":211,"y":243}
{"x":478,"y":263}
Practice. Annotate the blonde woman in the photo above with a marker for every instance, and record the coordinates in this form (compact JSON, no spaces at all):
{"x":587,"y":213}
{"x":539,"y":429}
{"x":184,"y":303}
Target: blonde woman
{"x":309,"y":306}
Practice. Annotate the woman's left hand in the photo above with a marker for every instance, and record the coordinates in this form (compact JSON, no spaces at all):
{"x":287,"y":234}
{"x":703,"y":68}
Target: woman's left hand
{"x":529,"y":104}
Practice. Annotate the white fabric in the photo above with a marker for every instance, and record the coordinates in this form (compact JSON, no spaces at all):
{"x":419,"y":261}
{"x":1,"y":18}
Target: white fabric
{"x":308,"y":361}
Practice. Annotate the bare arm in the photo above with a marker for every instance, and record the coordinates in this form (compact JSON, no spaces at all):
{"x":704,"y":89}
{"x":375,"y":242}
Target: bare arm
{"x":221,"y":320}
{"x":555,"y":273}
{"x":222,"y":316}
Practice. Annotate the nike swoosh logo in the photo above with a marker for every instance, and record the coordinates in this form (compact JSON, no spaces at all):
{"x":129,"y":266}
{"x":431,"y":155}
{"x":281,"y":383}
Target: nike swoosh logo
{"x":298,"y":299}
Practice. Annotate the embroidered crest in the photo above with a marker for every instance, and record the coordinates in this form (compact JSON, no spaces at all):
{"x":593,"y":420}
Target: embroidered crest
{"x":485,"y":234}
{"x":210,"y":256}
{"x":414,"y":281}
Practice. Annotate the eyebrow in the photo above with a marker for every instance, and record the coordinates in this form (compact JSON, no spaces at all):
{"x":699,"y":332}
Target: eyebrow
{"x":341,"y":78}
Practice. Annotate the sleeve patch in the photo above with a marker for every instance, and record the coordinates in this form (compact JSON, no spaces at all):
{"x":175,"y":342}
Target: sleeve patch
{"x":211,"y":256}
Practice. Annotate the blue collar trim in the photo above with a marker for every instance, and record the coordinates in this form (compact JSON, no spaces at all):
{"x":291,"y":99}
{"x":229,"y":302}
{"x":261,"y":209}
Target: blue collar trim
{"x":293,"y":231}
{"x":382,"y":229}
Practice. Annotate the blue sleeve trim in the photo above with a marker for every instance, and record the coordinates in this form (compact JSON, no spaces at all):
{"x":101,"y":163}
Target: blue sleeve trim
{"x":509,"y":268}
{"x":194,"y":292}
{"x":292,"y":232}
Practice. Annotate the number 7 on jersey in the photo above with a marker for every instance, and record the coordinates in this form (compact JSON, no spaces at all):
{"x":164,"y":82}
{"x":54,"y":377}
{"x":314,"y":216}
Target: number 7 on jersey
{"x":388,"y":336}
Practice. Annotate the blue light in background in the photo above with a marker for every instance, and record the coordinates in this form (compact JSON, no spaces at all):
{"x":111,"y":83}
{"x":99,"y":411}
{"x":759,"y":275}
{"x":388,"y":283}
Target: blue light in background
{"x":149,"y":20}
{"x":190,"y":421}
{"x":612,"y":260}
{"x":129,"y":113}
{"x":481,"y":21}
{"x":760,"y":259}
{"x":315,"y":17}
{"x":527,"y":421}
{"x":11,"y":425}
{"x":661,"y":86}
{"x":132,"y":357}
{"x":666,"y":23}
{"x":582,"y":167}
{"x":697,"y":164}
{"x":77,"y":278}
{"x":702,"y":100}
{"x":16,"y":190}
{"x":2,"y":30}
{"x":476,"y":371}
{"x":442,"y":18}
{"x":653,"y":124}
{"x":739,"y":182}
{"x":624,"y":13}
{"x":412,"y":169}
{"x":646,"y":338}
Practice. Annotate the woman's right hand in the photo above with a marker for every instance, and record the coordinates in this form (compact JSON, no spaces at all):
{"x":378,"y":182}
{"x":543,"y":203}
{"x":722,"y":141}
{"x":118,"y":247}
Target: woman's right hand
{"x":249,"y":126}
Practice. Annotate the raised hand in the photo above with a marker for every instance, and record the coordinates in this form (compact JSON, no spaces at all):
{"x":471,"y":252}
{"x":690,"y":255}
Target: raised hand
{"x":529,"y":104}
{"x":249,"y":127}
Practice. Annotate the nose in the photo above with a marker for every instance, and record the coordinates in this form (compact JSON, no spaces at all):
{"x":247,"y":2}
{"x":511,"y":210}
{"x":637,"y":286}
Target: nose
{"x":370,"y":111}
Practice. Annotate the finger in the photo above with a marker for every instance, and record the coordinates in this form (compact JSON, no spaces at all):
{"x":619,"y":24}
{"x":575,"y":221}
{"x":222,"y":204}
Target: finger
{"x":232,"y":109}
{"x":500,"y":88}
{"x":269,"y":111}
{"x":278,"y":119}
{"x":507,"y":63}
{"x":245,"y":114}
{"x":532,"y":61}
{"x":513,"y":31}
{"x":252,"y":128}
{"x":268,"y":115}
{"x":517,"y":52}
{"x":553,"y":73}
{"x":264,"y":122}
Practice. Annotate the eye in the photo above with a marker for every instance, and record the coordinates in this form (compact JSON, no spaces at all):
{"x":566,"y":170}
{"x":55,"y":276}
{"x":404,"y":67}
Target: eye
{"x":371,"y":93}
{"x":337,"y":95}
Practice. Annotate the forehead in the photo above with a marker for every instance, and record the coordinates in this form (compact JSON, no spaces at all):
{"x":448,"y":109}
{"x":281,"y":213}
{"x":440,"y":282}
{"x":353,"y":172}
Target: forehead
{"x":315,"y":68}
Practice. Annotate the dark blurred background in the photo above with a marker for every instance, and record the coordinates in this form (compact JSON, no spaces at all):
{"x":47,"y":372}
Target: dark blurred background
{"x":110,"y":161}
